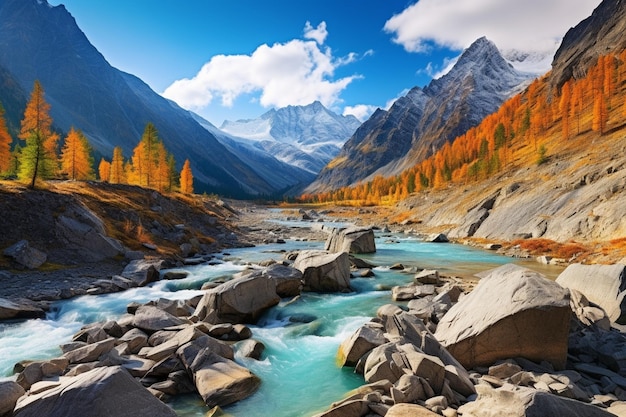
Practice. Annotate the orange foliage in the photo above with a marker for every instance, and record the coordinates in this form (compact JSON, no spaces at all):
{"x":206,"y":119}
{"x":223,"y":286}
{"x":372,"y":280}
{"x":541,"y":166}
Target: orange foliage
{"x":186,"y":179}
{"x":75,"y":158}
{"x":5,"y":144}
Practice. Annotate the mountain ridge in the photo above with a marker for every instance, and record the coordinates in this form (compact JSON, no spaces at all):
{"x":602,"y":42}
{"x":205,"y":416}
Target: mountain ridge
{"x":423,"y":120}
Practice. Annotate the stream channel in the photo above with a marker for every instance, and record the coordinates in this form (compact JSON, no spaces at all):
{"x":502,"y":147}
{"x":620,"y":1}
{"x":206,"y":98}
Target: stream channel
{"x":298,"y":371}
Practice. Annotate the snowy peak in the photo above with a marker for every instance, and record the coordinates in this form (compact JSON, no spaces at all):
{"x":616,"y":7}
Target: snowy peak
{"x":304,"y":136}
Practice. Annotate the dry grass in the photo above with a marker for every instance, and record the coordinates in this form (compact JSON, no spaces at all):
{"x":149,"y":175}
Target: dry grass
{"x":567,"y":250}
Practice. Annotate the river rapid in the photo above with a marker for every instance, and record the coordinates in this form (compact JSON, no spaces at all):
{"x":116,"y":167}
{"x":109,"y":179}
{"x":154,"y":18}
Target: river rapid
{"x":298,"y":371}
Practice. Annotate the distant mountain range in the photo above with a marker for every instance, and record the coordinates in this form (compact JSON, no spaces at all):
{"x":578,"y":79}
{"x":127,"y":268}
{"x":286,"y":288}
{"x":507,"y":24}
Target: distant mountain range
{"x":42,"y":42}
{"x":419,"y":123}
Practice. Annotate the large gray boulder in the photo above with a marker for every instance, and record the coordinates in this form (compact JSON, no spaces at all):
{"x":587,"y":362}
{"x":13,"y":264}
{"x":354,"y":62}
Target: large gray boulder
{"x":10,"y":392}
{"x":323,"y":271}
{"x":241,"y":300}
{"x":82,"y":228}
{"x":219,"y":381}
{"x":604,"y":285}
{"x":351,"y":240}
{"x":288,"y":279}
{"x":102,"y":392}
{"x":511,"y":401}
{"x":151,"y":319}
{"x":142,"y":272}
{"x":26,"y":255}
{"x":508,"y":315}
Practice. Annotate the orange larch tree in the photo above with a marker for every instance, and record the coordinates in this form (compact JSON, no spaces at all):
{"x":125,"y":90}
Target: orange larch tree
{"x":38,"y":158}
{"x":104,"y":170}
{"x":118,"y":175}
{"x":5,"y":144}
{"x":186,"y":179}
{"x":76,"y":159}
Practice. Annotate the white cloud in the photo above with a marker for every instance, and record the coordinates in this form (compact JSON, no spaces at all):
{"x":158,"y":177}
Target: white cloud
{"x":531,"y":25}
{"x":318,"y":34}
{"x":297,"y":72}
{"x":360,"y":111}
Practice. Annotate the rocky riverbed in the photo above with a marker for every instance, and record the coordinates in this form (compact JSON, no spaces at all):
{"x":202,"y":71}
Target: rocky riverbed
{"x":516,"y":344}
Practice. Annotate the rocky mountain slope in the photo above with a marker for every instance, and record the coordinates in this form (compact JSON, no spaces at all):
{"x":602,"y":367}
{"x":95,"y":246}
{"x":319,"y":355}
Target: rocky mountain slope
{"x":423,"y":120}
{"x":42,"y":42}
{"x":307,"y":137}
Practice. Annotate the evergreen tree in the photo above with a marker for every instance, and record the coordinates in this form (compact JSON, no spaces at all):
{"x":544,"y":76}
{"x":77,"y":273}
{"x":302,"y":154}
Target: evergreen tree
{"x":38,"y":158}
{"x":104,"y":170}
{"x":118,"y":175}
{"x":186,"y":179}
{"x":76,"y":160}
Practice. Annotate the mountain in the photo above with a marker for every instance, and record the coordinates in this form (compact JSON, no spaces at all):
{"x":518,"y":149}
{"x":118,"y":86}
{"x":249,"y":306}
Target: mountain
{"x":599,"y":34}
{"x":288,"y":179}
{"x":419,"y":123}
{"x":307,"y":137}
{"x":43,"y":42}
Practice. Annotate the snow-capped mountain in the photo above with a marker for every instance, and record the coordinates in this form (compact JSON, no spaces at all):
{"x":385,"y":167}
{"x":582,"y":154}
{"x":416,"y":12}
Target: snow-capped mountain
{"x":419,"y":123}
{"x":306,"y":137}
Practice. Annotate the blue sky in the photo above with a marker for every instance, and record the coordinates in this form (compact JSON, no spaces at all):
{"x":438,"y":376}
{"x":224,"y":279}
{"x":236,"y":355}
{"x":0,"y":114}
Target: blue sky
{"x":236,"y":59}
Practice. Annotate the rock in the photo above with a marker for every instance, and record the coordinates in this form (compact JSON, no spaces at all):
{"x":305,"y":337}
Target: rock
{"x":102,"y":392}
{"x":354,"y":408}
{"x":323,"y":271}
{"x":437,"y":238}
{"x":288,"y":280}
{"x":351,"y":240}
{"x":511,"y":401}
{"x":10,"y":392}
{"x":142,"y":272}
{"x":361,"y":342}
{"x":507,"y":315}
{"x":604,"y":285}
{"x":151,"y":319}
{"x":219,"y":381}
{"x":427,"y":276}
{"x":25,"y":255}
{"x":136,"y":340}
{"x":250,"y":348}
{"x":83,"y":229}
{"x":241,"y":300}
{"x":409,"y":410}
{"x":10,"y":310}
{"x":90,"y":352}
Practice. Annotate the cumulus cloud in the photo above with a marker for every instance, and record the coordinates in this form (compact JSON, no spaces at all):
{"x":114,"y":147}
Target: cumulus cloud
{"x":360,"y":111}
{"x":297,"y":72}
{"x":531,"y":25}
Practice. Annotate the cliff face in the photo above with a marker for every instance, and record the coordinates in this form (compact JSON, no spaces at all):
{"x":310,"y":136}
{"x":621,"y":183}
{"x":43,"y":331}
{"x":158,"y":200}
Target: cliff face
{"x":604,"y":31}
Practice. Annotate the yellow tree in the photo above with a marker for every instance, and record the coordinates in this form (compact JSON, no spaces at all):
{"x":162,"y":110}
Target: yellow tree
{"x":104,"y":170}
{"x":186,"y":179}
{"x":76,"y":159}
{"x":118,"y":175}
{"x":38,"y":158}
{"x":5,"y":144}
{"x":566,"y":98}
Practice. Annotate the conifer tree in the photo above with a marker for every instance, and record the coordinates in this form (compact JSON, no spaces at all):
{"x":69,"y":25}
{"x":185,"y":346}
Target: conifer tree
{"x":186,"y":179}
{"x":76,"y":160}
{"x":104,"y":170}
{"x":38,"y":158}
{"x":5,"y":144}
{"x":118,"y":175}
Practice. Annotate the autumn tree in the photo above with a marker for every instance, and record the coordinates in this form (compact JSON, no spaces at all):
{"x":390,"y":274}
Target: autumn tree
{"x":38,"y":158}
{"x":76,"y":160}
{"x":186,"y":179}
{"x":564,"y":104}
{"x":5,"y":144}
{"x":117,"y":174}
{"x":104,"y":170}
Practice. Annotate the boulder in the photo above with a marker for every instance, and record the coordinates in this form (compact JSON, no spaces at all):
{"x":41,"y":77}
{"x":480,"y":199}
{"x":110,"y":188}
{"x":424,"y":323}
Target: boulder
{"x":241,"y":300}
{"x":288,"y":280}
{"x":10,"y":392}
{"x":90,"y":352}
{"x":102,"y":392}
{"x":151,"y":319}
{"x":351,"y":240}
{"x":323,"y":271}
{"x":25,"y":255}
{"x":362,"y":341}
{"x":33,"y":372}
{"x":519,"y":313}
{"x":10,"y":310}
{"x":142,"y":272}
{"x":437,"y":238}
{"x":219,"y":381}
{"x":136,"y":339}
{"x":250,"y":348}
{"x":82,"y":228}
{"x":604,"y":285}
{"x":409,"y":410}
{"x":511,"y":401}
